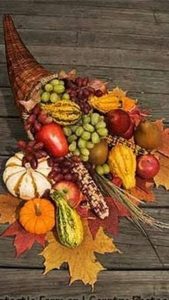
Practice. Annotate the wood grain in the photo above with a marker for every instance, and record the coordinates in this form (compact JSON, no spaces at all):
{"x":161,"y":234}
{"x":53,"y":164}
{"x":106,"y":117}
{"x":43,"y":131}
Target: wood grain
{"x":137,"y":252}
{"x":119,"y":23}
{"x":96,"y":39}
{"x":35,"y":7}
{"x":126,"y":43}
{"x":151,"y":60}
{"x":123,"y":284}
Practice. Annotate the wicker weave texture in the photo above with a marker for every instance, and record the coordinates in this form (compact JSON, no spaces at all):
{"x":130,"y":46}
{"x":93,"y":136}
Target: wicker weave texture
{"x":24,"y":71}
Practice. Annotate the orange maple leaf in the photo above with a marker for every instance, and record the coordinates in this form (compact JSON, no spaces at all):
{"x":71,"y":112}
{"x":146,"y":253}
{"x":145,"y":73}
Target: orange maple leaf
{"x":81,"y":260}
{"x":8,"y":206}
{"x":162,"y":178}
{"x":147,"y":196}
{"x":164,"y":145}
{"x":128,"y":103}
{"x":143,"y":190}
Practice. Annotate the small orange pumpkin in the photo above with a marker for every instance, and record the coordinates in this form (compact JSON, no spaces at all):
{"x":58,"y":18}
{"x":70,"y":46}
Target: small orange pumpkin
{"x":37,"y":216}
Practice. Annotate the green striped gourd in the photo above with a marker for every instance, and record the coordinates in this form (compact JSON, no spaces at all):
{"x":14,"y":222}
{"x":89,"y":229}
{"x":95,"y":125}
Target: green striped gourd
{"x":63,"y":112}
{"x":69,"y":224}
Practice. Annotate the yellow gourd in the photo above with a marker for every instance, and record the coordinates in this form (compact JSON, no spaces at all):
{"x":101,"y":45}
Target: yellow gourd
{"x":122,"y":162}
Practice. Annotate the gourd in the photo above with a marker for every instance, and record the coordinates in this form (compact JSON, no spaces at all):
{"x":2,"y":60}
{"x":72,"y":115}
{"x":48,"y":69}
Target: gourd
{"x":23,"y":181}
{"x":63,"y":112}
{"x":37,"y":216}
{"x":122,"y":162}
{"x":69,"y":224}
{"x":109,"y":102}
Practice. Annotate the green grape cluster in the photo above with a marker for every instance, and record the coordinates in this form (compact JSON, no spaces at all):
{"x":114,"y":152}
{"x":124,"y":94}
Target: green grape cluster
{"x":54,"y":91}
{"x":85,"y":134}
{"x":103,"y":170}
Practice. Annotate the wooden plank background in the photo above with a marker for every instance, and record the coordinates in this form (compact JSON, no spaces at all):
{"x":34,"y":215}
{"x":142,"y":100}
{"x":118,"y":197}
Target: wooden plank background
{"x":125,"y":42}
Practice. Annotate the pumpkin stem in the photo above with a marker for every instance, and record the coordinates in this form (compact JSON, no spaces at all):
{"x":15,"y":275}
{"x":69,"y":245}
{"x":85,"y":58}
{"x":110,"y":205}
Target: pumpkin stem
{"x":37,"y":209}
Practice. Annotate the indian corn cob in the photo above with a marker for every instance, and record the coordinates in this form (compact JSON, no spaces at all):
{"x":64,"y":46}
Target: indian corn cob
{"x":90,"y":190}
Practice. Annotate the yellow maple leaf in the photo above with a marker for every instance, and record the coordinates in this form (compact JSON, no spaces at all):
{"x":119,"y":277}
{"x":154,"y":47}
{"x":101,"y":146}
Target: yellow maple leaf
{"x":162,"y":178}
{"x":127,"y":103}
{"x":119,"y":92}
{"x":81,"y":260}
{"x":8,"y":207}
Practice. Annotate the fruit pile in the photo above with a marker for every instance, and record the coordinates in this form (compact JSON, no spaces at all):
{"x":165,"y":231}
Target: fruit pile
{"x":79,"y":129}
{"x":85,"y":134}
{"x":61,"y":170}
{"x":80,"y":91}
{"x":54,"y":91}
{"x":37,"y":118}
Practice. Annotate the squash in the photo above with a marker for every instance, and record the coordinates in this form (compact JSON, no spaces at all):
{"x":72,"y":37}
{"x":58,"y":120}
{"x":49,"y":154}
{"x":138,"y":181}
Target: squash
{"x":122,"y":162}
{"x":63,"y":112}
{"x":37,"y":216}
{"x":69,"y":224}
{"x":23,"y":181}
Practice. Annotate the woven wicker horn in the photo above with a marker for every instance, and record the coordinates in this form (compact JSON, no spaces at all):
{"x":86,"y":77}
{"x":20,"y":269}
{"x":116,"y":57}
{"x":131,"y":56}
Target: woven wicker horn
{"x":25,"y":73}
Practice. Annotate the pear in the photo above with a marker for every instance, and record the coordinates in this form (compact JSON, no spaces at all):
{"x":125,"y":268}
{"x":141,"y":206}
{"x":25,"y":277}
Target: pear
{"x":147,"y":135}
{"x":99,"y":153}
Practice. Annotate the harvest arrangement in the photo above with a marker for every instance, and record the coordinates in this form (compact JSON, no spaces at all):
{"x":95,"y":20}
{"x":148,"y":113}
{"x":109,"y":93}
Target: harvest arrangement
{"x":92,"y":156}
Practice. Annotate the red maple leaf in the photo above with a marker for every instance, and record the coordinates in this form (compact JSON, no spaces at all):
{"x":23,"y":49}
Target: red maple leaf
{"x":143,"y":190}
{"x":23,"y":240}
{"x":111,"y":223}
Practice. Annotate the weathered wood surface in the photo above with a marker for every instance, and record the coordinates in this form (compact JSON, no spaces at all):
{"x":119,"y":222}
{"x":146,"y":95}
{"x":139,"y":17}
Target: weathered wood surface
{"x":137,"y":252}
{"x":123,"y":284}
{"x":126,"y":43}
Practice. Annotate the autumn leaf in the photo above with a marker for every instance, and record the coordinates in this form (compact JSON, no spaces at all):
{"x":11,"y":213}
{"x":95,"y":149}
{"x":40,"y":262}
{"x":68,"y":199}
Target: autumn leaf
{"x":81,"y":260}
{"x":8,"y":206}
{"x":128,"y":103}
{"x":164,"y":145}
{"x":23,"y":240}
{"x":143,"y":190}
{"x":111,"y":223}
{"x":162,"y":178}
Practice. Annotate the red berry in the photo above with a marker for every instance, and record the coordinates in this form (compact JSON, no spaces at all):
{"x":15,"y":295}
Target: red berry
{"x":98,"y":93}
{"x":21,"y":144}
{"x":38,"y":146}
{"x":58,"y":178}
{"x":79,"y":81}
{"x":24,"y":161}
{"x":34,"y":163}
{"x":36,"y":109}
{"x":68,"y":177}
{"x":31,"y":119}
{"x":50,"y":162}
{"x":37,"y":126}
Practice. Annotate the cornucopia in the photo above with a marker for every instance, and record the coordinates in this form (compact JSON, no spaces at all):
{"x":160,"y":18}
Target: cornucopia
{"x":93,"y":155}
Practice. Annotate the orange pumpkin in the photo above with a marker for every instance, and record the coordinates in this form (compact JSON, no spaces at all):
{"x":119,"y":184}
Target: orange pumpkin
{"x":37,"y":216}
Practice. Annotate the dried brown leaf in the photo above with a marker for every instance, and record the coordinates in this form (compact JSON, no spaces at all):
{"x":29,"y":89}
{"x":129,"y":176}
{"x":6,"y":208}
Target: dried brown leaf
{"x":8,"y":206}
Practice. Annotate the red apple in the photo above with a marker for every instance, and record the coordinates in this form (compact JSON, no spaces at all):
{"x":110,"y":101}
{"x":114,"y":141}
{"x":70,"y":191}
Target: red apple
{"x":70,"y":190}
{"x":129,"y":133}
{"x":118,"y":121}
{"x":147,"y":166}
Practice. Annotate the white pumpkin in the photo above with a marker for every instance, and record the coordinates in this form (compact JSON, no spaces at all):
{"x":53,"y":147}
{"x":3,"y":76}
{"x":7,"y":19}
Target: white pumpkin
{"x":25,"y":182}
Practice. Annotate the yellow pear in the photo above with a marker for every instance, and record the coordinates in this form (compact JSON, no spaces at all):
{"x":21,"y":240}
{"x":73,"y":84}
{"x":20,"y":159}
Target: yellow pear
{"x":148,"y":135}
